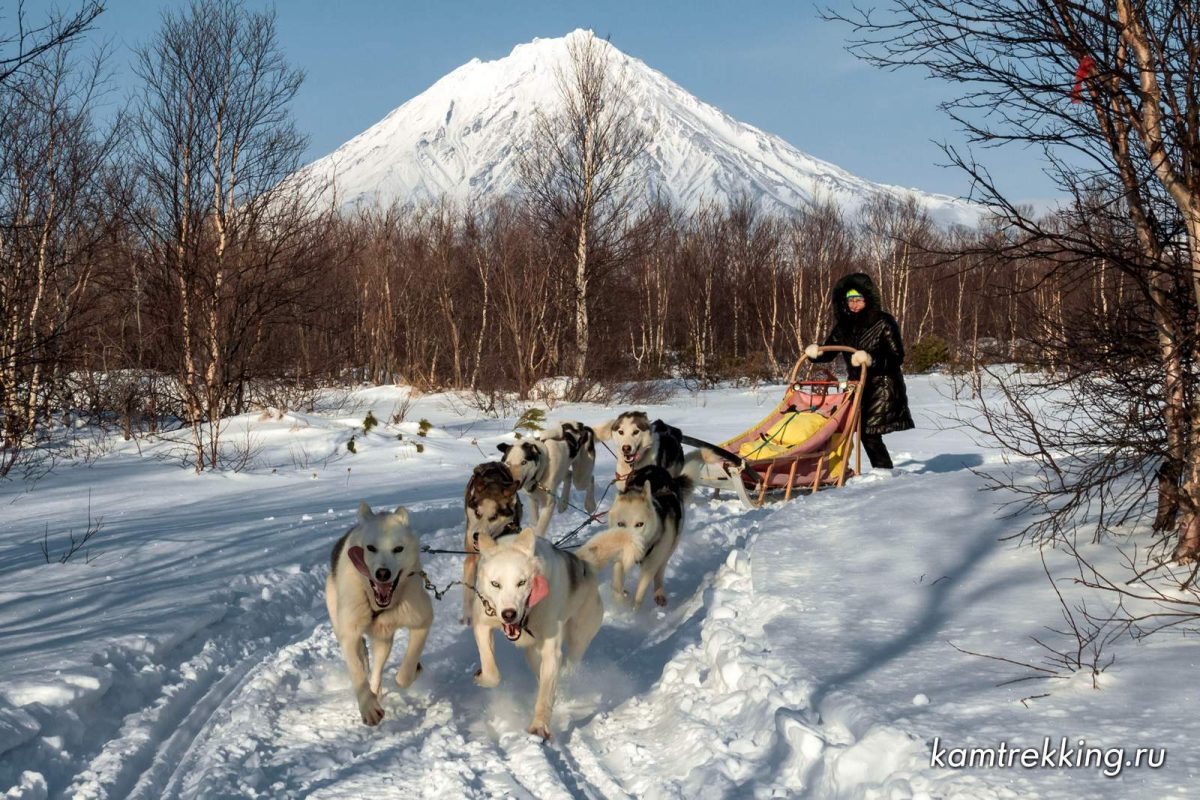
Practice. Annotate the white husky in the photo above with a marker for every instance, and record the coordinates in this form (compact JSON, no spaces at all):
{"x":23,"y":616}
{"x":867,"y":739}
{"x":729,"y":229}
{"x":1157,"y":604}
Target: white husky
{"x":543,"y":469}
{"x":644,"y":526}
{"x":375,"y":587}
{"x":542,"y":599}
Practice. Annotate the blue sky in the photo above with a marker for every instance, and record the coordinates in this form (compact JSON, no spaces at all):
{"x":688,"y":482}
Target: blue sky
{"x":771,"y":63}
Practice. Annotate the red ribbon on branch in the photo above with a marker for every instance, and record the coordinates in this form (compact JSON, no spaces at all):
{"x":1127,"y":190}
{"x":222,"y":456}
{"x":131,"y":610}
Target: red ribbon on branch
{"x":1087,"y":65}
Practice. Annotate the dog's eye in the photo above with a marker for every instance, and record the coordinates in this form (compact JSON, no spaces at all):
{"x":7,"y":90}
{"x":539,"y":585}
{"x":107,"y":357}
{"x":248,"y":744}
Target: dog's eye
{"x":399,"y":549}
{"x":495,"y":584}
{"x":520,"y":583}
{"x":620,"y":524}
{"x":640,"y":525}
{"x":493,"y":517}
{"x":371,"y":548}
{"x":478,"y":514}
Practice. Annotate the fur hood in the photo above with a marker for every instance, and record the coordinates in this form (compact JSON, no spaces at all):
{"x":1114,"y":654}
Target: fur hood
{"x":863,"y":283}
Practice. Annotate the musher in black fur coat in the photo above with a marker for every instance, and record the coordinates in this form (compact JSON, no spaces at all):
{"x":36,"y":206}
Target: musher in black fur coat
{"x":862,"y":323}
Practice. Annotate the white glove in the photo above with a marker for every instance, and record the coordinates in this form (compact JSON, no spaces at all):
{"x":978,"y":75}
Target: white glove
{"x":861,"y":358}
{"x":812,"y":352}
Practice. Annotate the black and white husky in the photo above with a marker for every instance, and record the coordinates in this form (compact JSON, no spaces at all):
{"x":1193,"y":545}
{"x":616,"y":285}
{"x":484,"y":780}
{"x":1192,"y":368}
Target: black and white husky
{"x":641,"y":443}
{"x":644,"y":522}
{"x":581,"y":450}
{"x":542,"y":469}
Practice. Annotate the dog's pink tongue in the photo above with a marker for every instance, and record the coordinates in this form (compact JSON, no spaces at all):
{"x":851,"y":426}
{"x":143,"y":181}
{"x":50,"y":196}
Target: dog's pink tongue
{"x":358,"y":559}
{"x":511,"y":630}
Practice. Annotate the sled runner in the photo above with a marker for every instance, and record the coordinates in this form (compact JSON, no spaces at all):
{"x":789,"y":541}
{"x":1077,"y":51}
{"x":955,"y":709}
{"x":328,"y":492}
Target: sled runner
{"x":805,"y":443}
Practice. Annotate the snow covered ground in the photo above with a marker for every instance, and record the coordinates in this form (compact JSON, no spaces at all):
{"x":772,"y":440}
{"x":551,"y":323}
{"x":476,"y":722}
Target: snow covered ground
{"x":805,"y":650}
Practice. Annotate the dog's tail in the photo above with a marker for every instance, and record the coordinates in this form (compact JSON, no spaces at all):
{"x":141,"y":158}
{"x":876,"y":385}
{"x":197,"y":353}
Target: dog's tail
{"x":604,"y":548}
{"x":697,"y":460}
{"x":683,"y":485}
{"x":552,"y":430}
{"x":603,"y":432}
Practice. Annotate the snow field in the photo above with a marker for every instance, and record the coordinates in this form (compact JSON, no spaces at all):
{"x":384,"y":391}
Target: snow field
{"x":804,"y":652}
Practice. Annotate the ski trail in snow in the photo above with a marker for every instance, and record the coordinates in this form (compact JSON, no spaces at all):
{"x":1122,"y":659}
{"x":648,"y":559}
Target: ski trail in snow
{"x":172,"y":698}
{"x":223,"y":653}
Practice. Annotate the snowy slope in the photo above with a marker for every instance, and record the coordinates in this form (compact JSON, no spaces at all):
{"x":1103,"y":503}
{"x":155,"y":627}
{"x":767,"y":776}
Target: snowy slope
{"x":803,"y":653}
{"x":460,"y":139}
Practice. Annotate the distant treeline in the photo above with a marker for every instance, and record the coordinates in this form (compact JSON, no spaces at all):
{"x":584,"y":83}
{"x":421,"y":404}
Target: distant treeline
{"x":164,"y":269}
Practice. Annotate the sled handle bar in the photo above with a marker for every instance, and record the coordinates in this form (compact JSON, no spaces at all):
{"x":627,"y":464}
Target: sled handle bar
{"x":832,"y":348}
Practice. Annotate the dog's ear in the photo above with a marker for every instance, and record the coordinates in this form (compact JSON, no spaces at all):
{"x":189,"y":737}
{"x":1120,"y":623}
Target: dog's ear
{"x":364,"y":511}
{"x":486,"y":544}
{"x":604,"y":430}
{"x":525,"y":542}
{"x":504,"y":447}
{"x":400,"y":516}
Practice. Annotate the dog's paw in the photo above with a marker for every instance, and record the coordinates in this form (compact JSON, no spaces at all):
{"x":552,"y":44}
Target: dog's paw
{"x":372,"y":712}
{"x":660,"y":598}
{"x":540,"y":729}
{"x":487,"y":681}
{"x":465,"y":619}
{"x":404,"y":681}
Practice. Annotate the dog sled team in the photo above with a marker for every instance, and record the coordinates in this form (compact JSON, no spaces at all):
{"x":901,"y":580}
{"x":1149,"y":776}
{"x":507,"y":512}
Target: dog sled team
{"x":545,"y":599}
{"x":542,"y":598}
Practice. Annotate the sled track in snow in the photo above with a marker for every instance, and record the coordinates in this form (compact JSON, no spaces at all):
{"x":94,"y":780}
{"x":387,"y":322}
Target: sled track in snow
{"x":160,"y":702}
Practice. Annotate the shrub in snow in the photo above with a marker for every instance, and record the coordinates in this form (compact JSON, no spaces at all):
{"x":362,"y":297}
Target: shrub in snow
{"x":928,"y":353}
{"x":531,"y":420}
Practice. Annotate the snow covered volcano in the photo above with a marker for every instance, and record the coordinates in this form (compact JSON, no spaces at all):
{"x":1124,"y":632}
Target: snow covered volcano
{"x":460,"y":138}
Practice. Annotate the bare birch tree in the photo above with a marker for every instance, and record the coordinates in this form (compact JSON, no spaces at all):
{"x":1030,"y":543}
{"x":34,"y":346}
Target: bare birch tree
{"x":232,"y":240}
{"x":575,"y":172}
{"x":54,"y":213}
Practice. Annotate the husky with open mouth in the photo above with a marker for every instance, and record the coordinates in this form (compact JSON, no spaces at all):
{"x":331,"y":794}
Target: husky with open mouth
{"x":644,"y":526}
{"x":375,"y":587}
{"x":542,"y":599}
{"x":641,"y":443}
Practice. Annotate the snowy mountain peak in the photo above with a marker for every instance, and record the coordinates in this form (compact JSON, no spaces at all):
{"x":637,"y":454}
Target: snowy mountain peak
{"x":460,"y":139}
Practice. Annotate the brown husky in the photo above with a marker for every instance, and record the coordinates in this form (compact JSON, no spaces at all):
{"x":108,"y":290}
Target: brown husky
{"x":493,"y":508}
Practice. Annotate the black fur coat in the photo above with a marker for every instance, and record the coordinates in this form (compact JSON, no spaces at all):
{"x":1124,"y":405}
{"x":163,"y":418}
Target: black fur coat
{"x":885,"y":400}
